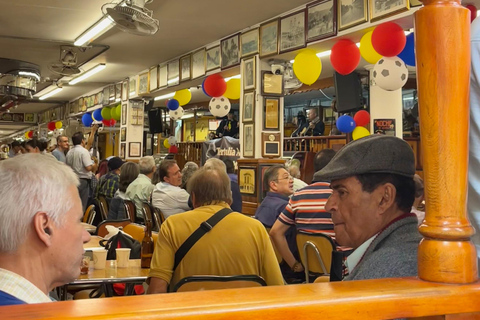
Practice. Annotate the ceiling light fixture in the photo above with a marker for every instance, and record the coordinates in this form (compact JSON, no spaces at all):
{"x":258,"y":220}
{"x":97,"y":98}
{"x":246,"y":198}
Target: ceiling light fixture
{"x":174,"y":80}
{"x":326,"y":53}
{"x":48,"y":92}
{"x":100,"y":27}
{"x":87,"y":74}
{"x":233,"y":77}
{"x":165,"y":96}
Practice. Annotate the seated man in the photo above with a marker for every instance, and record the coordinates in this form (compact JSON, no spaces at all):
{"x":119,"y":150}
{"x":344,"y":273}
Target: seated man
{"x":237,"y":245}
{"x":373,"y":192}
{"x":236,"y":205}
{"x":167,"y":195}
{"x":140,"y":190}
{"x":295,"y":173}
{"x":108,"y":184}
{"x":41,"y":238}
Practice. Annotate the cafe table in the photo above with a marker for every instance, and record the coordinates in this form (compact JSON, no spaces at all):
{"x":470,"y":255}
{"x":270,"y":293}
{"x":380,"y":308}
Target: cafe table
{"x":90,"y":228}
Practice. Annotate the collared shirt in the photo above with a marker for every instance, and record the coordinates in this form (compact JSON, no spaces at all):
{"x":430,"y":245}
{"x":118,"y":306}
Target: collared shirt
{"x":170,"y":199}
{"x":19,"y":287}
{"x":78,"y":159}
{"x":139,"y":191}
{"x":108,"y":185}
{"x":354,"y":258}
{"x":270,"y":208}
{"x":59,"y":155}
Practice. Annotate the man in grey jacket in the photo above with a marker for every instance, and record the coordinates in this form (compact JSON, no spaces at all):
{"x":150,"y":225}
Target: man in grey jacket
{"x":373,"y":192}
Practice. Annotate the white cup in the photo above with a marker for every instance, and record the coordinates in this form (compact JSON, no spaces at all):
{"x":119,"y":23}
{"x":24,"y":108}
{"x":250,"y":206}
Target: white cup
{"x":99,"y":259}
{"x":123,"y":256}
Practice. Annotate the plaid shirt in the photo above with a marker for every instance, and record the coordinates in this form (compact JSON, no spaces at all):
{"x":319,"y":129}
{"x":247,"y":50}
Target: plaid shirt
{"x":108,"y":185}
{"x":19,"y":287}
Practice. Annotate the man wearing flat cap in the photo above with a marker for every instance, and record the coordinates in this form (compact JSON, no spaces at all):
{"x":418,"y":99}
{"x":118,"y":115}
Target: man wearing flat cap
{"x":373,"y":192}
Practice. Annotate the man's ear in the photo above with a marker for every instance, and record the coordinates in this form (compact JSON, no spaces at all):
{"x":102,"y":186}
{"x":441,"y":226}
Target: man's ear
{"x":388,"y":193}
{"x":43,"y":226}
{"x":272,"y":185}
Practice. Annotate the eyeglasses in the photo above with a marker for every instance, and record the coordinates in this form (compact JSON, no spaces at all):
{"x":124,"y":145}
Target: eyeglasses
{"x":287,"y":178}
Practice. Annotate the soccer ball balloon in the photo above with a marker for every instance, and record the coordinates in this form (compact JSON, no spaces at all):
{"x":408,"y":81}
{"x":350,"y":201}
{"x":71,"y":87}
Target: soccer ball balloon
{"x":176,"y":114}
{"x":390,"y":73}
{"x":172,"y":140}
{"x":220,"y":106}
{"x":57,"y":133}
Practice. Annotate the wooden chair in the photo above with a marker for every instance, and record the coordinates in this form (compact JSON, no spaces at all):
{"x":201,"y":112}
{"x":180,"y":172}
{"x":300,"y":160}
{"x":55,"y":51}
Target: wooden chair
{"x":89,"y":214}
{"x":315,"y":252}
{"x":159,"y":214}
{"x":137,"y":232}
{"x":103,"y":206}
{"x":130,"y":209}
{"x":102,"y":227}
{"x":201,"y":283}
{"x":147,"y":211}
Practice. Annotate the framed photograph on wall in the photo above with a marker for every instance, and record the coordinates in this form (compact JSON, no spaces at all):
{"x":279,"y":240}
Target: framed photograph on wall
{"x":249,"y":74}
{"x":248,"y":110}
{"x":248,"y":140}
{"x":292,"y":31}
{"x":269,"y":38}
{"x":230,"y":51}
{"x":271,"y":113}
{"x":125,"y":90}
{"x":143,"y":83}
{"x":123,"y":134}
{"x":132,"y":91}
{"x":246,"y":180}
{"x":134,"y":149}
{"x":185,"y":68}
{"x":321,"y":20}
{"x":124,"y":114}
{"x":173,"y":77}
{"x":122,"y":150}
{"x":380,"y":9}
{"x":212,"y":58}
{"x":118,"y":92}
{"x":272,"y":84}
{"x":198,"y":63}
{"x":162,"y":76}
{"x":153,"y":73}
{"x":351,"y":13}
{"x":249,"y":43}
{"x":270,"y":145}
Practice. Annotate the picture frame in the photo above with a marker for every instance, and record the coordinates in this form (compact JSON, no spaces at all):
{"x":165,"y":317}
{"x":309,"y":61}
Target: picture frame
{"x":230,"y":51}
{"x":162,"y":76}
{"x":122,"y":150}
{"x":272,"y":84}
{"x":111,"y":91}
{"x":143,"y":83}
{"x":153,"y":76}
{"x":118,"y":92}
{"x":248,"y":140}
{"x":124,"y":114}
{"x":198,"y":63}
{"x":134,"y":149}
{"x":132,"y":90}
{"x":347,"y":19}
{"x":123,"y":134}
{"x":29,"y":117}
{"x":185,"y":68}
{"x":271,"y":145}
{"x":212,"y":58}
{"x":125,"y":90}
{"x":246,"y":180}
{"x":249,"y":74}
{"x":173,"y":72}
{"x":292,"y":31}
{"x":248,"y":106}
{"x":380,"y":9}
{"x":269,"y":38}
{"x":249,"y":43}
{"x":271,"y":113}
{"x":321,"y":20}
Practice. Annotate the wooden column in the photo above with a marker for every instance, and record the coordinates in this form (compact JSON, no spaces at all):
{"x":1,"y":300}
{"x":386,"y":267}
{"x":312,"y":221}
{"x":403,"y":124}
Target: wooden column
{"x":442,"y":40}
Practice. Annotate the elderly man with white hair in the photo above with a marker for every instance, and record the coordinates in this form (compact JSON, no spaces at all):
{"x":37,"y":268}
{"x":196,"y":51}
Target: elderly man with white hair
{"x":140,"y":190}
{"x":41,"y":237}
{"x":214,"y":163}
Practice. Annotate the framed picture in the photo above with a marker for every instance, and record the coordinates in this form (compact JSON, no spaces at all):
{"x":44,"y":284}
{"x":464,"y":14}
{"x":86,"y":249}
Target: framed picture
{"x":229,"y":51}
{"x":125,"y":90}
{"x":198,"y":63}
{"x":132,"y":91}
{"x":248,"y":110}
{"x":292,"y":31}
{"x":153,"y":73}
{"x":112,"y":93}
{"x":270,"y":145}
{"x":249,"y":73}
{"x":122,"y":150}
{"x":212,"y":58}
{"x":246,"y":180}
{"x":272,"y":84}
{"x":249,"y":140}
{"x":29,"y":117}
{"x":380,"y":9}
{"x":271,"y":114}
{"x":351,"y":13}
{"x":249,"y":43}
{"x":269,"y":38}
{"x":162,"y":76}
{"x":143,"y":83}
{"x":123,"y":134}
{"x":134,"y":149}
{"x":185,"y":72}
{"x":118,"y":92}
{"x":124,"y":114}
{"x":321,"y":20}
{"x":173,"y":77}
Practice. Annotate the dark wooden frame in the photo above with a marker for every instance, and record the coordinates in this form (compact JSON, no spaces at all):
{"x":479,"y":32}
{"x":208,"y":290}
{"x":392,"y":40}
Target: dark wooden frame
{"x":254,"y":180}
{"x":236,"y":63}
{"x":262,"y":26}
{"x":130,"y":155}
{"x":243,"y":107}
{"x":277,"y":128}
{"x":257,"y":31}
{"x":266,"y":140}
{"x":334,"y":15}
{"x":253,"y":140}
{"x":185,"y":57}
{"x":266,"y":74}
{"x":280,"y":33}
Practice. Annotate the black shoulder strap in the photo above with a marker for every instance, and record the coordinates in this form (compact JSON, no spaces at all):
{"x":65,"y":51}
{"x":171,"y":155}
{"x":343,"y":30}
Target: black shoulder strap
{"x":200,"y":232}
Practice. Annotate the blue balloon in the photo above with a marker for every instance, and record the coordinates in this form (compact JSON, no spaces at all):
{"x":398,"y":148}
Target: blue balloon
{"x":87,"y":119}
{"x":346,"y":124}
{"x":408,"y":53}
{"x":97,"y":115}
{"x":203,"y":89}
{"x":173,"y":104}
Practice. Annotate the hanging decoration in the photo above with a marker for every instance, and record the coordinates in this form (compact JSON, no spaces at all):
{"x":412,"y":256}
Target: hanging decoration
{"x":51,"y":125}
{"x":307,"y":66}
{"x":58,"y":125}
{"x":106,"y":114}
{"x":87,"y":119}
{"x":390,"y":73}
{"x":219,"y":107}
{"x":360,"y":132}
{"x":183,"y":96}
{"x":97,"y":115}
{"x":57,"y":133}
{"x":166,"y":144}
{"x":345,"y":56}
{"x":116,"y":113}
{"x":473,"y":11}
{"x":366,"y":49}
{"x":172,"y":140}
{"x":233,"y":89}
{"x":173,"y":150}
{"x":176,"y":114}
{"x":408,"y":53}
{"x":361,"y":118}
{"x":345,"y":124}
{"x":203,"y":87}
{"x":173,"y":104}
{"x":388,"y":39}
{"x":215,"y":86}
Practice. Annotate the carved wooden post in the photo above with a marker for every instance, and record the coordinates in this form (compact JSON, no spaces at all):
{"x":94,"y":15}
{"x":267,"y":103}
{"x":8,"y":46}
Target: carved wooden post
{"x":442,"y":39}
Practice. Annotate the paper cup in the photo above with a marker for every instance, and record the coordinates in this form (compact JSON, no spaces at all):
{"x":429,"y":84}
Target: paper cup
{"x":123,"y":256}
{"x":99,"y":259}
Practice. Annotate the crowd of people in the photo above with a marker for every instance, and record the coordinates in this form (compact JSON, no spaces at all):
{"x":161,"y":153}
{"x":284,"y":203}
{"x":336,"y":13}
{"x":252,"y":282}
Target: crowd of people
{"x":362,"y":197}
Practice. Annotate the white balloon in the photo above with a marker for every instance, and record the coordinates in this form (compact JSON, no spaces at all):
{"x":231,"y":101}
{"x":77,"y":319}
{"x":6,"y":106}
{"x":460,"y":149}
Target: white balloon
{"x":390,"y":73}
{"x":176,"y":114}
{"x":172,"y":140}
{"x":56,"y":133}
{"x":219,"y":107}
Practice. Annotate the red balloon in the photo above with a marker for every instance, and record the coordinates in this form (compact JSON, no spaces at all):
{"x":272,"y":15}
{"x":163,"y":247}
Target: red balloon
{"x":112,"y":122}
{"x":106,"y":123}
{"x":51,"y":126}
{"x":388,"y":39}
{"x":473,"y":11}
{"x":362,"y":118}
{"x":345,"y":56}
{"x":30,"y":134}
{"x":173,"y":149}
{"x":215,"y":86}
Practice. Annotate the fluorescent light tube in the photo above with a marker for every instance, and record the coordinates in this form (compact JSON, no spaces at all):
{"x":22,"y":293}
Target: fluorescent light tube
{"x":87,"y":74}
{"x":234,"y":77}
{"x":51,"y":93}
{"x":165,"y":96}
{"x":98,"y":28}
{"x":174,"y":80}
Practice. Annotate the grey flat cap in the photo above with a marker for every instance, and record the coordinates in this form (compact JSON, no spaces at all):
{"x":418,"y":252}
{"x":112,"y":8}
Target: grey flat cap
{"x":372,"y":154}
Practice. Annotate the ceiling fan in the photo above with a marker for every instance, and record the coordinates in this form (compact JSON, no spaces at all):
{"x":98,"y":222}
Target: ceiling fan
{"x":67,"y":66}
{"x":131,"y":16}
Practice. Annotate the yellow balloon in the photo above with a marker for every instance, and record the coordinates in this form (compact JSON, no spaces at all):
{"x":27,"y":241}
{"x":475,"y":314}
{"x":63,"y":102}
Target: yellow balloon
{"x":58,"y":124}
{"x":360,"y":132}
{"x":166,"y":144}
{"x":183,"y":96}
{"x":233,"y":89}
{"x":366,"y":49}
{"x":26,"y":135}
{"x":307,"y":66}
